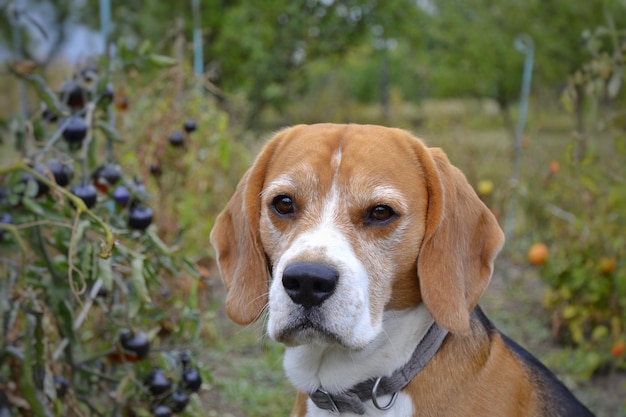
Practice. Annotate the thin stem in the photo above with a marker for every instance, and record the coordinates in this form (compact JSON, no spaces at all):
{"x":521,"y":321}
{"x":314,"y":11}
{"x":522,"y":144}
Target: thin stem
{"x":87,"y":142}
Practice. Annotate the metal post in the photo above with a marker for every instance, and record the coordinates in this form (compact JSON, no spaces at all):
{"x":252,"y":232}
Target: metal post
{"x":15,"y":17}
{"x":524,"y":44}
{"x":198,"y":58}
{"x":105,"y":24}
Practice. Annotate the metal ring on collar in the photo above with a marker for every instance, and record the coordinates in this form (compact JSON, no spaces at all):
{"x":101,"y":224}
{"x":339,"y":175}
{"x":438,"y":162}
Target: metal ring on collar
{"x":333,"y":406}
{"x":391,"y":402}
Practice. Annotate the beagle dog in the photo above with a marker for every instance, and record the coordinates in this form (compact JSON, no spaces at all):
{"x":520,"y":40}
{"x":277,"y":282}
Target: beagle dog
{"x":369,"y":251}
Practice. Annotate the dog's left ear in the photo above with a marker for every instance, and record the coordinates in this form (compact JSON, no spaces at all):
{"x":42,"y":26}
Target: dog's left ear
{"x":461,"y":241}
{"x":237,"y":242}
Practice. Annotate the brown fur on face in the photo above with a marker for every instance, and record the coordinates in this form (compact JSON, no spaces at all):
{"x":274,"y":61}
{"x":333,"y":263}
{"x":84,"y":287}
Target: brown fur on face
{"x":451,"y":249}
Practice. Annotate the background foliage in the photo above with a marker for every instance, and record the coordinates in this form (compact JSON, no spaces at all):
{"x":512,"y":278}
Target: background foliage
{"x":444,"y":69}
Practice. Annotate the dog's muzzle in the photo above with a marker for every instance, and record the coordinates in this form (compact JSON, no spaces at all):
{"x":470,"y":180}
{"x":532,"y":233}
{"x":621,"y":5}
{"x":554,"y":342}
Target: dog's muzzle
{"x":309,"y":284}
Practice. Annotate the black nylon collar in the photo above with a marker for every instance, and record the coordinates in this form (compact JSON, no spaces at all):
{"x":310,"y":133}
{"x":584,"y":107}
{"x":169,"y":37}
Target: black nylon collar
{"x":352,"y":400}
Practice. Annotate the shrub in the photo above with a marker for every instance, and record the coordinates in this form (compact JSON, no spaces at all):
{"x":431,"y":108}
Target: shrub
{"x":581,"y":214}
{"x":90,"y":308}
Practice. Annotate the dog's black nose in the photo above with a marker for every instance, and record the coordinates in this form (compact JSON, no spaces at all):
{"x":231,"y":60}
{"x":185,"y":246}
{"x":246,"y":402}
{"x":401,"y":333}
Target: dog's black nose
{"x":309,"y":284}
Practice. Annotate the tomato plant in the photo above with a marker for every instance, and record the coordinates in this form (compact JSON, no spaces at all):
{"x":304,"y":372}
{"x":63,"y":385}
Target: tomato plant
{"x":85,"y":278}
{"x":579,"y":209}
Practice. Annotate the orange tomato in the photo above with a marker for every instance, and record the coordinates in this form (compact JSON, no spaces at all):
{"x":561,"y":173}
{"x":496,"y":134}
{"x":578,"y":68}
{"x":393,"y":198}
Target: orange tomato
{"x":607,"y":265}
{"x":554,"y":167}
{"x":538,"y":253}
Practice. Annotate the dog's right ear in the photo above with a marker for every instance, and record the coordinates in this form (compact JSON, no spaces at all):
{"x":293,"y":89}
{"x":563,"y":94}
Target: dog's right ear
{"x":237,"y":242}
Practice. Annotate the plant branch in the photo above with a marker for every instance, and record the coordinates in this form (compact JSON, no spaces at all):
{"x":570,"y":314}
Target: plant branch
{"x":106,"y":248}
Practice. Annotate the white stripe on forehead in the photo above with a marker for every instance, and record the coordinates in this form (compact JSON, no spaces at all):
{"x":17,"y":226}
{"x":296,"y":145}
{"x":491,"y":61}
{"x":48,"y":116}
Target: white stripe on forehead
{"x":335,"y":161}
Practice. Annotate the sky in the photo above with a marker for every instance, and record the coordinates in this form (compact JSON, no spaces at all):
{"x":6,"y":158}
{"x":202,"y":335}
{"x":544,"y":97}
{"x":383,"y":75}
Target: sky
{"x":81,"y":41}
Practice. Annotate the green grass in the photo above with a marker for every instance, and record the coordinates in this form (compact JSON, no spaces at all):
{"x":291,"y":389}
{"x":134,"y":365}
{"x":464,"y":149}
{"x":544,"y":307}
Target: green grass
{"x":247,"y":372}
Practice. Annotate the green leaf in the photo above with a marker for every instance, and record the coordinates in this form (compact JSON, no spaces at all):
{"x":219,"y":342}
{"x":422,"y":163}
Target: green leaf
{"x":33,"y":206}
{"x":158,"y":243}
{"x":45,"y":94}
{"x":139,"y":281}
{"x":31,"y":358}
{"x":79,"y":233}
{"x":105,"y":273}
{"x":145,"y":47}
{"x":161,"y":61}
{"x":109,"y":131}
{"x":87,"y":259}
{"x":66,"y":314}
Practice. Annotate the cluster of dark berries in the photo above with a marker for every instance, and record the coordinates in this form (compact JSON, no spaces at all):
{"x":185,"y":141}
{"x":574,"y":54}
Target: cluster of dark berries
{"x":177,"y":137}
{"x":74,"y":94}
{"x":172,"y":398}
{"x":106,"y":179}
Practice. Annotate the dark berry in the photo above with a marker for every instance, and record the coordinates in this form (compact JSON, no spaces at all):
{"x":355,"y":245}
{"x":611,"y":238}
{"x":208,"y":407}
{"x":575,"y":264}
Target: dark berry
{"x":162,"y":411}
{"x":191,"y":379}
{"x":6,"y":218}
{"x":61,"y":386}
{"x":75,"y":130}
{"x":107,"y":175}
{"x":157,"y":382}
{"x":139,"y":218}
{"x":49,"y":116}
{"x":122,"y":103}
{"x":63,"y":173}
{"x":89,"y":74}
{"x":135,"y":342}
{"x":190,"y":125}
{"x":177,"y":138}
{"x":180,"y":399}
{"x":121,"y":195}
{"x":185,"y":359}
{"x":72,"y":94}
{"x":102,"y":293}
{"x":107,"y":95}
{"x":87,"y":193}
{"x":155,"y":169}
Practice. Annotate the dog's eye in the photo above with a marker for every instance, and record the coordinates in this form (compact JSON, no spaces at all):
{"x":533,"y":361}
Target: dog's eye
{"x":283,"y":205}
{"x":380,"y":214}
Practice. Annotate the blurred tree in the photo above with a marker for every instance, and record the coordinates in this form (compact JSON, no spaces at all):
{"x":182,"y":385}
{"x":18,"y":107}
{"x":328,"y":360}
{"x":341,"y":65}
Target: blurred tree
{"x":34,"y":23}
{"x":260,"y":49}
{"x":469,"y":45}
{"x":263,"y":50}
{"x":471,"y":50}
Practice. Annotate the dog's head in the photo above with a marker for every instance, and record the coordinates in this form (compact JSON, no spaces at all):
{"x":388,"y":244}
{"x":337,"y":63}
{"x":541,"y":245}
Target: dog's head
{"x":334,"y":224}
